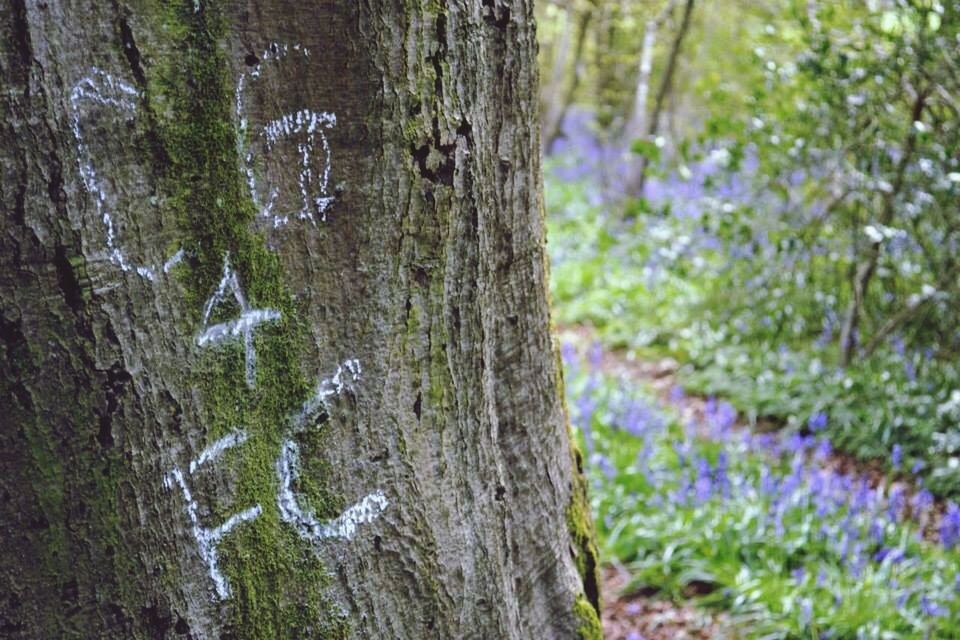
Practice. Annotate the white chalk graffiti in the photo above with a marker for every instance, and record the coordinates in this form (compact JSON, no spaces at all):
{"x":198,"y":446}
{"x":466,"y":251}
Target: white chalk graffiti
{"x":306,"y":523}
{"x":306,"y":125}
{"x":304,"y":128}
{"x":244,"y":325}
{"x":100,"y":88}
{"x":287,"y":465}
{"x":288,"y":470}
{"x":326,"y":388}
{"x":209,"y":539}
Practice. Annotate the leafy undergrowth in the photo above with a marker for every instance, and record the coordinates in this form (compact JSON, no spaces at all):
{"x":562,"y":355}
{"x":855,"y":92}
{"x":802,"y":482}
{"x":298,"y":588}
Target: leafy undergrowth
{"x":668,"y":282}
{"x":756,"y":525}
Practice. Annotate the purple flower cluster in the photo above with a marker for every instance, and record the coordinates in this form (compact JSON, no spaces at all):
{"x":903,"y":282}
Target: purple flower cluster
{"x":857,"y":523}
{"x":950,"y":526}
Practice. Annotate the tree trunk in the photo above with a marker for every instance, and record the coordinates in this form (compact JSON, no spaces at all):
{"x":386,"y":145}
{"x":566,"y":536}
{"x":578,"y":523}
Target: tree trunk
{"x":550,"y":92}
{"x":274,"y":328}
{"x":560,"y":105}
{"x":637,"y":122}
{"x":867,"y":267}
{"x":638,"y":177}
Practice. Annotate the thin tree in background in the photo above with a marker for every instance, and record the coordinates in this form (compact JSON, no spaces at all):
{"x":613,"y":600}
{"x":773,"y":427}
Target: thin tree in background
{"x":559,"y":99}
{"x":640,"y":125}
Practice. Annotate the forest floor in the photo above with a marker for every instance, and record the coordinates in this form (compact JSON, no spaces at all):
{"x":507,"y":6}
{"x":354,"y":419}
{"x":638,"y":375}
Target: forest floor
{"x":643,"y":615}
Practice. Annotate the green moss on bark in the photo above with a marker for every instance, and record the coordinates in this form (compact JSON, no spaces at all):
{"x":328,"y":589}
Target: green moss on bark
{"x":75,"y":479}
{"x":580,"y":526}
{"x":588,"y":622}
{"x":276,"y":579}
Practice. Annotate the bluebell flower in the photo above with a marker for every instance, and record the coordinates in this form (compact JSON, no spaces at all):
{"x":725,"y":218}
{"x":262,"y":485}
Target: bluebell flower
{"x":703,"y":487}
{"x":806,"y":613}
{"x":817,"y":422}
{"x":768,"y":482}
{"x":921,"y":502}
{"x":603,"y":463}
{"x":950,"y":526}
{"x":596,"y":355}
{"x":778,"y":525}
{"x":896,"y":457}
{"x":724,"y":417}
{"x":721,"y":476}
{"x":569,"y":354}
{"x":710,"y":407}
{"x":823,"y":449}
{"x":898,"y":345}
{"x":767,"y":442}
{"x":909,"y":369}
{"x":878,"y":529}
{"x":826,"y":334}
{"x":586,"y":405}
{"x":799,"y":444}
{"x":930,"y":608}
{"x":857,"y":561}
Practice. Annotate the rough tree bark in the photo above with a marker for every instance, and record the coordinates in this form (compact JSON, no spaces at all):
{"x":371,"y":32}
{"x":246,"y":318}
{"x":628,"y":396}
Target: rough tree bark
{"x":274,"y":328}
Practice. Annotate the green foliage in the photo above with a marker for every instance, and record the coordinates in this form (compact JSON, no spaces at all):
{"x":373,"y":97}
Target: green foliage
{"x":639,"y":285}
{"x":827,"y":166}
{"x":795,"y":248}
{"x":788,"y":549}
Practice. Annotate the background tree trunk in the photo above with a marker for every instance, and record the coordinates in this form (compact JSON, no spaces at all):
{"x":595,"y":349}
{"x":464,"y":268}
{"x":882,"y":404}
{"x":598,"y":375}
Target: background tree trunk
{"x":638,"y":175}
{"x":274,"y":326}
{"x":559,"y":102}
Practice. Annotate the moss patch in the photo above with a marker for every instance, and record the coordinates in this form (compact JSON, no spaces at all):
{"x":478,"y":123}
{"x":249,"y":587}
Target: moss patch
{"x":580,"y":526}
{"x":276,"y":580}
{"x":588,"y":623}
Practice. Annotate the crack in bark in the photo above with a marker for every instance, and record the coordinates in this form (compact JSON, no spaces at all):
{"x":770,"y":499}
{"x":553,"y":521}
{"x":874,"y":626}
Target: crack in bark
{"x":21,"y":33}
{"x":129,"y":46}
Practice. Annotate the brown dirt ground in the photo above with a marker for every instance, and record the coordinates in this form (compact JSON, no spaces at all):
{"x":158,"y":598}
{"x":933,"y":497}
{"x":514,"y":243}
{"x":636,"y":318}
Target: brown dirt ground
{"x":653,"y":618}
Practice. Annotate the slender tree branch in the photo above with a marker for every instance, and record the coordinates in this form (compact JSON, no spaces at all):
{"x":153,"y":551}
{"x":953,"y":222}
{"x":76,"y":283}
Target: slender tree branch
{"x":865,"y":270}
{"x":556,"y":125}
{"x":905,"y":314}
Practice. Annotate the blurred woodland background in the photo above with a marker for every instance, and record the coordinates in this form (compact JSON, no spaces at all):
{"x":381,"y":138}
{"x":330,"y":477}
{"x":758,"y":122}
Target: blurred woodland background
{"x":753,"y":211}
